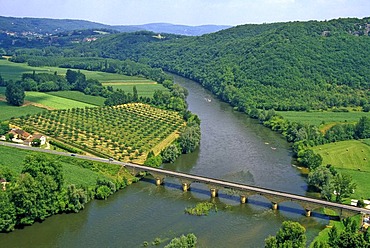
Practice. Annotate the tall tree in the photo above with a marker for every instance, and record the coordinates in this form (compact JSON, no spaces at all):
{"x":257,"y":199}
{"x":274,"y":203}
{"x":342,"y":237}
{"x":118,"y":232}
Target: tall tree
{"x":343,"y":186}
{"x":135,"y":96}
{"x":291,"y":234}
{"x":362,"y":129}
{"x":14,"y":94}
{"x":7,"y":212}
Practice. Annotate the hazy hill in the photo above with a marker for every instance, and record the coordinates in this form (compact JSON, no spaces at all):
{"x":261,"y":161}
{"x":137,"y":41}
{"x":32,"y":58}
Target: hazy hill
{"x":53,"y":26}
{"x":181,"y":29}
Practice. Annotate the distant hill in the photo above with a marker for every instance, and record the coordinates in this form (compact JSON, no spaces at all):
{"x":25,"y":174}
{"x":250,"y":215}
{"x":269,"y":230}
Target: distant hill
{"x":53,"y":26}
{"x":181,"y":29}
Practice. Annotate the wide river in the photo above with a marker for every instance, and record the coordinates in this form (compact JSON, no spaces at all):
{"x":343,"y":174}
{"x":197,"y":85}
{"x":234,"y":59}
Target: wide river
{"x":233,"y":147}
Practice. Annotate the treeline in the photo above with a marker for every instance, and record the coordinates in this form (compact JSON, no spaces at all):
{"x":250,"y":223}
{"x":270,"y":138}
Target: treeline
{"x":58,"y":58}
{"x":40,"y":191}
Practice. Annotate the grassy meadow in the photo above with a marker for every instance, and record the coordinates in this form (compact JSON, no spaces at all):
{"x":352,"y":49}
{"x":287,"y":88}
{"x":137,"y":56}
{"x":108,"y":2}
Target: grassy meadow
{"x":54,"y":102}
{"x":75,"y":171}
{"x":8,"y":111}
{"x":72,"y":173}
{"x":144,"y":88}
{"x":323,"y":118}
{"x":79,"y":96}
{"x":350,"y":157}
{"x":14,"y":71}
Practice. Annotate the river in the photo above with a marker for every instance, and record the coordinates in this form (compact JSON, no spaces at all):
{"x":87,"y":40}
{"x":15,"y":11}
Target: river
{"x":233,"y":147}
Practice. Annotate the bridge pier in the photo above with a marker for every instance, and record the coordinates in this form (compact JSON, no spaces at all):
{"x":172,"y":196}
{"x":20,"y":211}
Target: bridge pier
{"x":185,"y":186}
{"x":274,"y":205}
{"x":243,"y":199}
{"x":308,"y":212}
{"x":159,"y":181}
{"x":214,"y":192}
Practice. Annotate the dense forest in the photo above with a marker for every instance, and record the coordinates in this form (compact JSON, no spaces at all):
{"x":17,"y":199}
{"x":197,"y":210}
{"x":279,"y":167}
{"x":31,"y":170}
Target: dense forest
{"x":284,"y":66}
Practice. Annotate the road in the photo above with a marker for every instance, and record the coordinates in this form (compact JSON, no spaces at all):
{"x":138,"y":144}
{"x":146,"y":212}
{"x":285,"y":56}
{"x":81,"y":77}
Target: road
{"x":202,"y":179}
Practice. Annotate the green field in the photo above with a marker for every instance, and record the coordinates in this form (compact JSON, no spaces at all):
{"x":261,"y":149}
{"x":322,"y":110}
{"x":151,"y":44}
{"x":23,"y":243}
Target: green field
{"x":79,"y":96}
{"x":317,"y":118}
{"x":75,"y":171}
{"x":8,"y":111}
{"x":54,"y":102}
{"x":143,"y":89}
{"x":350,"y":157}
{"x":14,"y":71}
{"x":72,"y":173}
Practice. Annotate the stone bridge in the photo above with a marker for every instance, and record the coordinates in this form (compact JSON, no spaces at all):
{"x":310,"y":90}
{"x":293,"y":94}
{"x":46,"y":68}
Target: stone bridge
{"x":245,"y":191}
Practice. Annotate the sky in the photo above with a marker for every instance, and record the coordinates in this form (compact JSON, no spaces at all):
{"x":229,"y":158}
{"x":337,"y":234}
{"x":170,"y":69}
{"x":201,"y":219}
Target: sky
{"x":186,"y":12}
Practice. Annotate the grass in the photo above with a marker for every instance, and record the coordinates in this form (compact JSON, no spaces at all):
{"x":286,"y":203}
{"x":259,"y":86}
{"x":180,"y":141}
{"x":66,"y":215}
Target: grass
{"x":54,"y":102}
{"x":8,"y":111}
{"x":75,"y":171}
{"x":324,"y":117}
{"x":72,"y":173}
{"x":79,"y":96}
{"x":349,"y":157}
{"x":143,"y":89}
{"x":14,"y":71}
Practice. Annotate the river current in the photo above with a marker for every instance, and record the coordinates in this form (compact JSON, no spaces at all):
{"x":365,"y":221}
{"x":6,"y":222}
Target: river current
{"x":233,"y":147}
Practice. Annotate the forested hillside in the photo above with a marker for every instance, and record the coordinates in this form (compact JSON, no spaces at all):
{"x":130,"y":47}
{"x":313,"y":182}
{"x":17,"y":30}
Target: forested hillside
{"x":285,"y":66}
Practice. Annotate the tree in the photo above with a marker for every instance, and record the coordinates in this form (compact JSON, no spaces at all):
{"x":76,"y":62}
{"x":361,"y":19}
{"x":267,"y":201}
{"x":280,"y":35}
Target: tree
{"x":24,"y":197}
{"x":170,"y":153}
{"x":320,"y":177}
{"x":343,"y":186}
{"x":351,"y":239}
{"x":39,"y":164}
{"x":152,"y":160}
{"x":76,"y":198}
{"x":2,"y":81}
{"x":290,"y":234}
{"x":189,"y":139}
{"x":7,"y":212}
{"x":333,"y":236}
{"x":135,"y":96}
{"x":4,"y":128}
{"x":362,"y":128}
{"x":14,"y":94}
{"x":310,"y":160}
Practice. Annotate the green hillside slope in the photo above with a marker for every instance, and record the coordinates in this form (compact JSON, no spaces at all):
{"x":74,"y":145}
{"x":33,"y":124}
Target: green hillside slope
{"x":285,"y":66}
